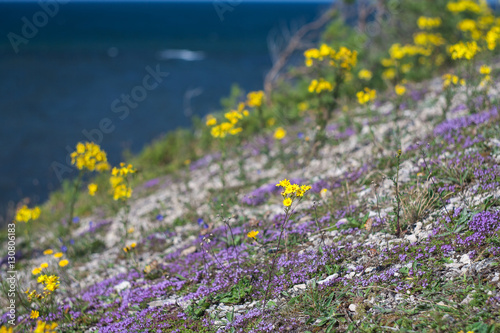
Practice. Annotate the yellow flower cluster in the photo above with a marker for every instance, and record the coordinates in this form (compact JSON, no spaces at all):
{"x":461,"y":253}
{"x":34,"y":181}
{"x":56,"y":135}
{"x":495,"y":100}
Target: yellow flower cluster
{"x":463,"y":50}
{"x":343,"y":58}
{"x":400,"y":89}
{"x":4,"y":329}
{"x":50,"y":283}
{"x":24,"y":214}
{"x":127,"y":249}
{"x":89,"y":156}
{"x":450,"y":79}
{"x":255,"y":98}
{"x":320,"y":85}
{"x":118,"y":181}
{"x":485,"y":71}
{"x":398,"y":51}
{"x":34,"y":314}
{"x":389,"y":74}
{"x":491,"y":38}
{"x":428,"y":39}
{"x":424,"y":22}
{"x":123,"y":170}
{"x":92,"y":189}
{"x":120,"y":189}
{"x":38,"y":270}
{"x":43,"y":327}
{"x":291,"y":191}
{"x":464,"y":6}
{"x":365,"y":74}
{"x":366,"y":96}
{"x":228,"y":127}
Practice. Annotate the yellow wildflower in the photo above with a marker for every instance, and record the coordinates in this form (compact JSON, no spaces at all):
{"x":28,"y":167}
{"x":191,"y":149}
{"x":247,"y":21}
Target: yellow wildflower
{"x":463,"y":6}
{"x":48,"y":251}
{"x":463,"y":50}
{"x":255,"y":98}
{"x":252,"y":234}
{"x":485,"y":70}
{"x":123,"y":170}
{"x":303,"y":106}
{"x":4,"y":329}
{"x":34,"y":314}
{"x":211,"y":121}
{"x":287,"y":202}
{"x":36,"y":271}
{"x":400,"y":89}
{"x":58,"y":255}
{"x":63,"y":262}
{"x":428,"y":22}
{"x":389,"y":74}
{"x":365,"y":74}
{"x":43,"y":327}
{"x":320,"y":85}
{"x":92,"y":189}
{"x":284,"y":183}
{"x":89,"y":156}
{"x":24,"y":214}
{"x":44,"y":265}
{"x":366,"y":96}
{"x":280,"y":133}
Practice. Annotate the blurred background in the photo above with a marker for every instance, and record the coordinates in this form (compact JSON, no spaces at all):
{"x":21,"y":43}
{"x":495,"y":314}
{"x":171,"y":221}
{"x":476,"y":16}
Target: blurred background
{"x":78,"y":70}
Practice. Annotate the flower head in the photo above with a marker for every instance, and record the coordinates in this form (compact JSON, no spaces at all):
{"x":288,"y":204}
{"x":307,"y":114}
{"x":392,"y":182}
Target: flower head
{"x":252,"y":234}
{"x":34,"y":314}
{"x":89,"y":156}
{"x":255,"y":98}
{"x":92,"y":189}
{"x":280,"y":133}
{"x":25,"y":214}
{"x":63,"y":262}
{"x":366,"y":95}
{"x":400,"y":89}
{"x":365,"y":74}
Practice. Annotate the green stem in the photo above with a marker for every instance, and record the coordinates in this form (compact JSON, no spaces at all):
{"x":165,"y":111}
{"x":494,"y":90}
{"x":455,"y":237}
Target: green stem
{"x":76,"y":185}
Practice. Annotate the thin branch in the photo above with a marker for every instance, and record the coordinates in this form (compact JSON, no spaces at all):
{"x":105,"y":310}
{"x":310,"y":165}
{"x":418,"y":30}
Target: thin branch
{"x":293,"y":45}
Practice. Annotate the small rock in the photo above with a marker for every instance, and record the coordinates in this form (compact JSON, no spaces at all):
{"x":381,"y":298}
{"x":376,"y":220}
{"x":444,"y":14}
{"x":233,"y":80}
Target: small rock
{"x":155,"y":304}
{"x":448,"y":318}
{"x":411,"y":238}
{"x":299,"y":287}
{"x":369,"y":269}
{"x":352,"y":307}
{"x":465,"y":259}
{"x":466,"y":299}
{"x":328,"y":278}
{"x":189,"y":250}
{"x":122,"y":286}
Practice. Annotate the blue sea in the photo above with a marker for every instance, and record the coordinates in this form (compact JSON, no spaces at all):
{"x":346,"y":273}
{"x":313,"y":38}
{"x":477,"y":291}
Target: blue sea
{"x":121,"y":73}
